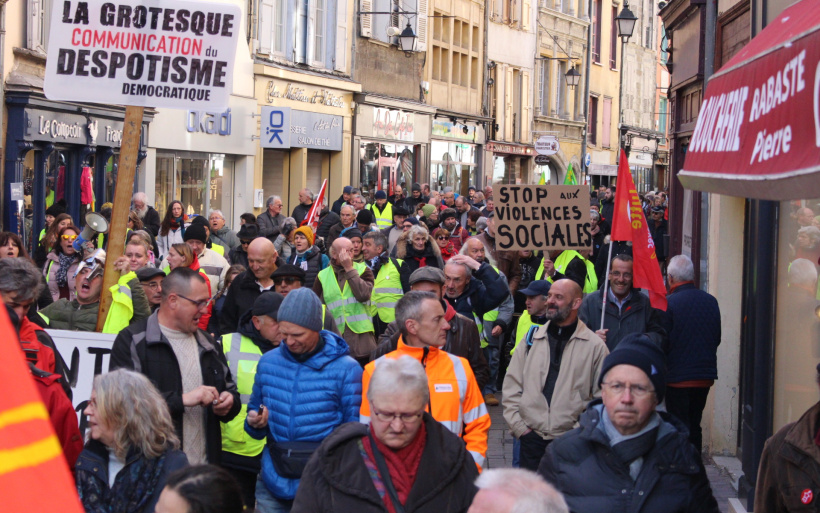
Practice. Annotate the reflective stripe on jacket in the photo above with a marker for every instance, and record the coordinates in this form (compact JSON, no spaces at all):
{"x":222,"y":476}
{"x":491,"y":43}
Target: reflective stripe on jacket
{"x":121,"y":310}
{"x":386,"y":292}
{"x":561,"y":263}
{"x":345,"y":308}
{"x":243,"y":357}
{"x":384,"y":219}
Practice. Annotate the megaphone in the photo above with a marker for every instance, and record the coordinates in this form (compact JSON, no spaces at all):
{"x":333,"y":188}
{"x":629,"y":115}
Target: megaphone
{"x":94,"y":223}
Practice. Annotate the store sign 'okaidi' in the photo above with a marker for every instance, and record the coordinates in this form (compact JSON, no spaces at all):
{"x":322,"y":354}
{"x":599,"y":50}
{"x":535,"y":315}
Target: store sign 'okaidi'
{"x":146,"y":53}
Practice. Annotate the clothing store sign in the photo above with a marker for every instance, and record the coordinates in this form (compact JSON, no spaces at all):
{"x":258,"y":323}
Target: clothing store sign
{"x":283,"y":128}
{"x":147,"y":53}
{"x":542,"y":217}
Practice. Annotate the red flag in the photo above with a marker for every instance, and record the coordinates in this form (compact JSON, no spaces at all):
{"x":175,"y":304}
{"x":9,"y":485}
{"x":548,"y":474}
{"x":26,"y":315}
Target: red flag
{"x":629,"y":224}
{"x":30,"y":453}
{"x":312,"y":218}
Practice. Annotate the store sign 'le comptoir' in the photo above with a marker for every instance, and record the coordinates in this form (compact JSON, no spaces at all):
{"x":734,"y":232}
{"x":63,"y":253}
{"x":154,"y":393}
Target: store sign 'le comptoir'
{"x":301,"y":94}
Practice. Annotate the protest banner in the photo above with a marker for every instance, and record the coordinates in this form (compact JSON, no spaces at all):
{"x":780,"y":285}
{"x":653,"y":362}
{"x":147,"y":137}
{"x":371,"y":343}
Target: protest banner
{"x":542,"y":217}
{"x":147,"y":53}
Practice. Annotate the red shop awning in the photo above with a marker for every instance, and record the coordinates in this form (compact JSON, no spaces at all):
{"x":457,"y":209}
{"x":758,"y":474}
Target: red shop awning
{"x":758,"y":130}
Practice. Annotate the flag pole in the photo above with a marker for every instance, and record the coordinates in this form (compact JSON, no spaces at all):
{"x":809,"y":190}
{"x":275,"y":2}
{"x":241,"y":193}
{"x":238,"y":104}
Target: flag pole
{"x":606,"y":281}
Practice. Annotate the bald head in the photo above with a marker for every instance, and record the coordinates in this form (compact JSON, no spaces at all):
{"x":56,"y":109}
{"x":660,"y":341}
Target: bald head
{"x":563,"y":301}
{"x":338,"y":245}
{"x":474,"y":249}
{"x":805,"y":216}
{"x":262,"y":258}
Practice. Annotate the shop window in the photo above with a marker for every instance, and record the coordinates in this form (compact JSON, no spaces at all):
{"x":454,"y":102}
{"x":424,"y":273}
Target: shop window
{"x":201,"y":181}
{"x":382,"y":165}
{"x":451,"y":163}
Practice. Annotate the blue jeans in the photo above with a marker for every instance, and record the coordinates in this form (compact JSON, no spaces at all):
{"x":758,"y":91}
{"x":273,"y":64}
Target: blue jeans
{"x":516,"y":462}
{"x":492,"y":353}
{"x":267,"y":503}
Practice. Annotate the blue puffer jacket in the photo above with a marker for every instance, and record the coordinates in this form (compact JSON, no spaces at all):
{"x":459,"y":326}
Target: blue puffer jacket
{"x":306,"y":401}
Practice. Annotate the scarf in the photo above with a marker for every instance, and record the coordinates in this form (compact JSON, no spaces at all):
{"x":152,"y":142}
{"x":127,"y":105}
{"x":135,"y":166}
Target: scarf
{"x":402,"y":464}
{"x":631,"y":449}
{"x":419,"y":256}
{"x":62,"y":272}
{"x":178,"y":223}
{"x":448,"y":251}
{"x":136,"y":489}
{"x":300,"y":259}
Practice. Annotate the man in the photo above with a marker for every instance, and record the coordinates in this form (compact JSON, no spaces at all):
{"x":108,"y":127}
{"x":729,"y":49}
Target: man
{"x":219,"y":229}
{"x":391,"y":280}
{"x":692,"y":320}
{"x":458,"y":234}
{"x":462,"y":338}
{"x":247,"y":218}
{"x":489,"y":207}
{"x":392,"y":232}
{"x":358,"y":202}
{"x":608,"y":204}
{"x":247,"y":233}
{"x":463,"y":208}
{"x":627,"y":310}
{"x":455,"y":399}
{"x":343,"y":200}
{"x":148,"y":215}
{"x":302,"y":391}
{"x":535,"y":315}
{"x":257,"y":333}
{"x":270,"y":220}
{"x":488,"y":193}
{"x":214,"y":265}
{"x":515,"y":490}
{"x":327,"y":220}
{"x":301,"y":210}
{"x":626,"y":455}
{"x":560,"y":264}
{"x":398,"y":196}
{"x":365,"y":221}
{"x":552,"y":377}
{"x":416,"y":197}
{"x":287,"y":278}
{"x":346,"y":288}
{"x":151,"y":280}
{"x":185,"y":363}
{"x":449,"y":198}
{"x":212,"y":242}
{"x":507,"y":261}
{"x":473,"y":288}
{"x":382,"y":210}
{"x":247,"y":286}
{"x":347,"y":219}
{"x":658,"y":228}
{"x":425,"y":190}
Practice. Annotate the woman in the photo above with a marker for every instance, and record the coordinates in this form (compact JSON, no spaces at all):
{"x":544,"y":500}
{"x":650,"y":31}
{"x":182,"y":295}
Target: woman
{"x":11,"y":246}
{"x":134,"y":221}
{"x":442,"y":237}
{"x":284,"y":241}
{"x":306,"y":256}
{"x":403,"y":461}
{"x":148,"y":239}
{"x":61,"y":264}
{"x":219,"y":299}
{"x":132,"y":446}
{"x":357,"y":240}
{"x":430,"y":217}
{"x":181,"y":255}
{"x":478,"y":200}
{"x":136,"y":256}
{"x":418,"y":249}
{"x":172,"y":228}
{"x":200,"y":489}
{"x":49,"y":240}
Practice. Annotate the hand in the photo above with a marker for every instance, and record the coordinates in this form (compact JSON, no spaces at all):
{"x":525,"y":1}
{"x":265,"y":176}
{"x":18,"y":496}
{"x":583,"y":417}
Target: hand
{"x":224,"y":405}
{"x":122,"y":265}
{"x":497,"y":331}
{"x":345,"y":259}
{"x":549,"y":267}
{"x":200,"y":396}
{"x":464,"y":259}
{"x":602,"y":334}
{"x":258,"y":420}
{"x":525,"y":433}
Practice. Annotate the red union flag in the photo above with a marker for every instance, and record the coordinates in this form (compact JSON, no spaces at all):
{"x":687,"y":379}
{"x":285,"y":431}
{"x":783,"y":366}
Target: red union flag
{"x":630,"y":224}
{"x":312,"y":217}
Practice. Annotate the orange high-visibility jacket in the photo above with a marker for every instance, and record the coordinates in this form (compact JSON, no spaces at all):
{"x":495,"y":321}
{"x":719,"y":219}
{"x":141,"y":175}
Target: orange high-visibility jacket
{"x":455,"y":399}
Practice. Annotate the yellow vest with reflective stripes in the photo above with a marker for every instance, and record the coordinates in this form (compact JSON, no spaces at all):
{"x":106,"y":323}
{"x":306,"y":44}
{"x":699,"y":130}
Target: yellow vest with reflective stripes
{"x":561,"y":263}
{"x":122,"y":308}
{"x":243,"y":357}
{"x":343,"y":305}
{"x":386,"y":292}
{"x":384,"y":219}
{"x":524,"y":325}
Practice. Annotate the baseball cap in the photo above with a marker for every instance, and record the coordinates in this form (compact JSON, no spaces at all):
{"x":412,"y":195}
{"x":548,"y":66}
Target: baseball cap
{"x":428,"y":273}
{"x":537,"y":288}
{"x":267,"y":304}
{"x":148,"y":273}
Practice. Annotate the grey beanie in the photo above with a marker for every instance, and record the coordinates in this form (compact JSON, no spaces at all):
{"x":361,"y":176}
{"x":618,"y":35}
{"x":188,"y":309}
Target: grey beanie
{"x":302,"y":308}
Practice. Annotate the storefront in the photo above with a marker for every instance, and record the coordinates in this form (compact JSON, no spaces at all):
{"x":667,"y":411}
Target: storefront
{"x":59,"y":151}
{"x":455,"y":154}
{"x":204,"y":159}
{"x":318,"y":135}
{"x":602,"y":174}
{"x":642,"y":166}
{"x":392,"y":142}
{"x":510,"y":163}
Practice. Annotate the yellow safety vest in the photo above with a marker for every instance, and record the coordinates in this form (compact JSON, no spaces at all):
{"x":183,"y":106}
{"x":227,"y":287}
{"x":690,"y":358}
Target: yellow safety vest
{"x":384,"y":219}
{"x":121,"y":310}
{"x":243,"y":357}
{"x":524,"y":325}
{"x":343,"y":305}
{"x":42,"y":234}
{"x":386,"y":292}
{"x":561,"y":263}
{"x":218,"y":249}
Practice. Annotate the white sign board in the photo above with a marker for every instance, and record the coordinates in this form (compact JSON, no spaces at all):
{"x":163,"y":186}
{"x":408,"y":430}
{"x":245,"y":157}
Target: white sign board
{"x":547,"y":145}
{"x":147,"y":53}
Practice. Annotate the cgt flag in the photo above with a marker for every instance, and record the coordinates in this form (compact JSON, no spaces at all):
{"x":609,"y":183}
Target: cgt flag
{"x":312,"y":217}
{"x":30,"y":453}
{"x":629,"y":224}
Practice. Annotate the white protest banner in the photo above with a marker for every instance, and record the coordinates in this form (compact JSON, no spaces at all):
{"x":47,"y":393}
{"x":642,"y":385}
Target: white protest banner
{"x":542,"y":217}
{"x":146,"y":53}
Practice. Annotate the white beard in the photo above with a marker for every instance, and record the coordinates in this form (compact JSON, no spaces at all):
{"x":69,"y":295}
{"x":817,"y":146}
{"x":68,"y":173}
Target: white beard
{"x":141,"y":213}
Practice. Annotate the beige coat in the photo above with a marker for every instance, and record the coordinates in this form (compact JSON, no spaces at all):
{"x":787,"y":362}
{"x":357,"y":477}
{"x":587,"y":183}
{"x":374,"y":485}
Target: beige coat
{"x":525,"y":406}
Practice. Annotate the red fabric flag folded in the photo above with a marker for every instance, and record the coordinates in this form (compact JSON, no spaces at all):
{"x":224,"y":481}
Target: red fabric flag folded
{"x":312,"y":218}
{"x":629,"y":224}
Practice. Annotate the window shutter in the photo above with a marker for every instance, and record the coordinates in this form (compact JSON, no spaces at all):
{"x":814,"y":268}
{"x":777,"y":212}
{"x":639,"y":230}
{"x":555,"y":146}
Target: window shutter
{"x":526,"y":109}
{"x":500,"y":111}
{"x":538,"y":104}
{"x":508,"y":103}
{"x":526,"y":14}
{"x":36,"y":15}
{"x":310,"y":42}
{"x":265,"y":32}
{"x":340,"y":58}
{"x":366,"y":20}
{"x":421,"y":26}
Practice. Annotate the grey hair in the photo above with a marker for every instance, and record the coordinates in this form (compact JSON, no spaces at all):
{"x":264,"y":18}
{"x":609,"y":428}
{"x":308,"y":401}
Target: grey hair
{"x":812,"y":232}
{"x":531,"y":492}
{"x":289,"y":221}
{"x":479,"y":196}
{"x":348,"y":206}
{"x":378,"y":239}
{"x":447,"y":189}
{"x":681,"y":268}
{"x":140,"y":196}
{"x":487,"y":256}
{"x":410,"y":307}
{"x":216,"y":211}
{"x":309,"y":193}
{"x":481,"y":223}
{"x":595,"y":215}
{"x":21,"y":276}
{"x":397,"y":375}
{"x":417,"y":229}
{"x":271,"y":199}
{"x":801,"y":272}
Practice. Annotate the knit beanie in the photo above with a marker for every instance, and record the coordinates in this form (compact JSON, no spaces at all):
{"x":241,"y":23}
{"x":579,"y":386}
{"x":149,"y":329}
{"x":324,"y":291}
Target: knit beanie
{"x":302,"y":308}
{"x":381,"y":195}
{"x":416,"y":187}
{"x":364,"y":217}
{"x":307,"y":231}
{"x":638,"y":350}
{"x":200,"y":220}
{"x":427,"y":210}
{"x":352,"y":232}
{"x":55,"y":210}
{"x":196,"y":232}
{"x":447,"y":213}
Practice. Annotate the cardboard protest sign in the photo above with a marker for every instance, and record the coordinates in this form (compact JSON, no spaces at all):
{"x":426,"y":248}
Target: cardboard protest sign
{"x":541,"y":217}
{"x":147,"y":53}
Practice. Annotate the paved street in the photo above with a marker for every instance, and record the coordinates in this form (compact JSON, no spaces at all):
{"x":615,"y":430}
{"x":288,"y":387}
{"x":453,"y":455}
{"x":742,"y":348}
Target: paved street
{"x":499,"y":454}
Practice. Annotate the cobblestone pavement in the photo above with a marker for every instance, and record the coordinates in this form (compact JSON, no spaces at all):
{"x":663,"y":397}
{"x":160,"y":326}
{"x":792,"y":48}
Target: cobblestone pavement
{"x":499,"y":454}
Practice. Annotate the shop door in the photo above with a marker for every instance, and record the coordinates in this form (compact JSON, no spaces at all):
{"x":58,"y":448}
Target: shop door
{"x":315,"y":160}
{"x":221,"y":187}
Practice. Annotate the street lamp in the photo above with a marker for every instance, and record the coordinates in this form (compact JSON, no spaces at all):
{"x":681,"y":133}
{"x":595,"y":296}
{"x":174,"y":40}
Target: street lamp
{"x":626,"y":23}
{"x":407,"y":39}
{"x":573,"y":77}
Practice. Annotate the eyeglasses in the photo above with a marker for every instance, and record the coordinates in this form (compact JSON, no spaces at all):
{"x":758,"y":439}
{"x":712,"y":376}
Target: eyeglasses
{"x":290,"y":280}
{"x":68,"y":237}
{"x":635,"y":390}
{"x":199,"y":304}
{"x":405,"y":418}
{"x":617,"y":274}
{"x":441,"y":237}
{"x":154,"y":285}
{"x":244,"y":242}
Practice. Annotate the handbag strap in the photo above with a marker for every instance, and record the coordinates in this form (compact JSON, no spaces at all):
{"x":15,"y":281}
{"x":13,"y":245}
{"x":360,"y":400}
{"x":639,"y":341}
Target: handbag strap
{"x":388,"y":482}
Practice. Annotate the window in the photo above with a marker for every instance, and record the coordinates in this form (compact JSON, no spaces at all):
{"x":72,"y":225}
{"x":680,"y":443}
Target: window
{"x":37,"y":23}
{"x":606,"y":128}
{"x":319,"y":24}
{"x":596,"y":32}
{"x":649,"y":37}
{"x":613,"y":41}
{"x":662,"y":115}
{"x":592,"y":128}
{"x":664,"y":47}
{"x":561,"y":97}
{"x":544,"y":88}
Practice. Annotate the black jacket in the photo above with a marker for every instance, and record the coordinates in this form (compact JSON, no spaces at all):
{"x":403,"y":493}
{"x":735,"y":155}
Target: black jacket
{"x":659,"y":238}
{"x":151,"y":221}
{"x":240,"y":297}
{"x":636,"y":316}
{"x":583,"y":467}
{"x":314,"y":265}
{"x":608,"y":209}
{"x":326,"y":220}
{"x":336,"y":478}
{"x":337,"y":205}
{"x":692,"y":320}
{"x":300,"y":212}
{"x":485,"y":292}
{"x":238,"y":256}
{"x":143,"y":348}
